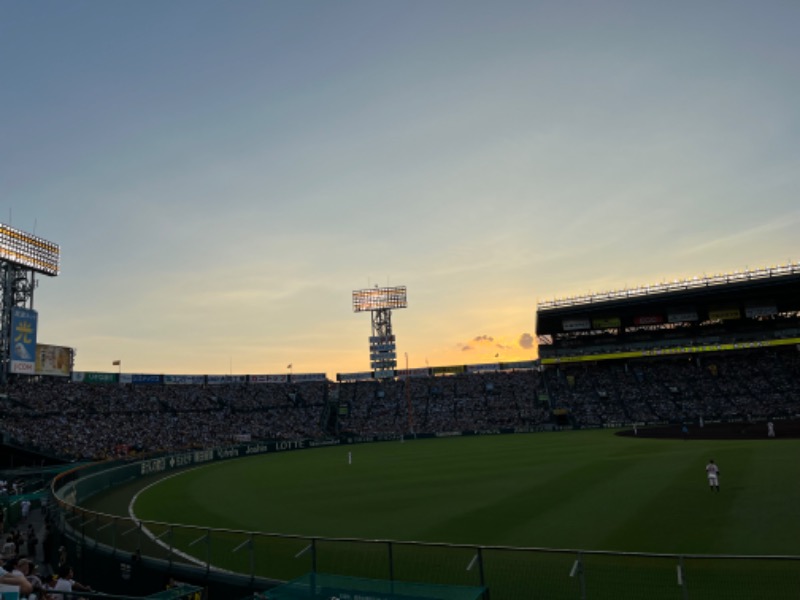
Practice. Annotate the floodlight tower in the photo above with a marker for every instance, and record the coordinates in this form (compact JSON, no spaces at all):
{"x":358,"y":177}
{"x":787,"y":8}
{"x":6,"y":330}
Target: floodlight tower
{"x":380,"y":302}
{"x":22,"y":255}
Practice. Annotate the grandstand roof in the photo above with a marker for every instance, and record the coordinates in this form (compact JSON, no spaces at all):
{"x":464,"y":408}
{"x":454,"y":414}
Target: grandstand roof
{"x":778,"y":289}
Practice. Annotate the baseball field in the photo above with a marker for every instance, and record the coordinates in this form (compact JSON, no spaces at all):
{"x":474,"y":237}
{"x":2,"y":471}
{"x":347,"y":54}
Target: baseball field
{"x":583,"y":490}
{"x":572,"y":490}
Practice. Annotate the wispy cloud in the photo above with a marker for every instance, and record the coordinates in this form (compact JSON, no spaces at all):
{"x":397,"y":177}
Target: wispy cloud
{"x":787,"y":223}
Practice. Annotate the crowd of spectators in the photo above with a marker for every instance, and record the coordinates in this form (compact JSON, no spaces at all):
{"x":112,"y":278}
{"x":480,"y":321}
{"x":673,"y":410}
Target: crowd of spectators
{"x":34,"y":566}
{"x":466,"y":402}
{"x":754,"y":385}
{"x":97,"y":421}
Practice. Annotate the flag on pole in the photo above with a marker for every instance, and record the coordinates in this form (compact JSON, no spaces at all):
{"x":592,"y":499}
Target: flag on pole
{"x":116,"y":363}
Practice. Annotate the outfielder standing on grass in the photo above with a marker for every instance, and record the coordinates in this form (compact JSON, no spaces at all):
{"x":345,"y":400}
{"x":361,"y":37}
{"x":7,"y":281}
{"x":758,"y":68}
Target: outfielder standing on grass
{"x":712,"y":470}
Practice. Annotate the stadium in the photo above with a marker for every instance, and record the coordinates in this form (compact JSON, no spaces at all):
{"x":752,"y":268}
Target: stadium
{"x":578,"y":475}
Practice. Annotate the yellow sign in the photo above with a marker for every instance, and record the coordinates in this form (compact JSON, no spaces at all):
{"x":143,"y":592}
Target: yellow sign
{"x":670,"y":351}
{"x":606,"y":323}
{"x":724,"y":314}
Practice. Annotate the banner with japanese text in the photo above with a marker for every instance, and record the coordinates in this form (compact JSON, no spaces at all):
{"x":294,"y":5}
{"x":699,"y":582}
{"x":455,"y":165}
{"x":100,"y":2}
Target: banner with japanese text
{"x":23,"y":340}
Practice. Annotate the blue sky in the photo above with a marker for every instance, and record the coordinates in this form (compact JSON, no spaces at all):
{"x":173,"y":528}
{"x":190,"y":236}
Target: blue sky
{"x":221,"y":176}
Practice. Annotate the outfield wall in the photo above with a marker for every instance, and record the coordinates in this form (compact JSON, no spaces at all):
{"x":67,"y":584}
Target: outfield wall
{"x":78,"y":485}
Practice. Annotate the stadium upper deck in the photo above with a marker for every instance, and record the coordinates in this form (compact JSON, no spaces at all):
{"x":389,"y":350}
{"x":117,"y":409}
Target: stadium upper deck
{"x":748,"y":306}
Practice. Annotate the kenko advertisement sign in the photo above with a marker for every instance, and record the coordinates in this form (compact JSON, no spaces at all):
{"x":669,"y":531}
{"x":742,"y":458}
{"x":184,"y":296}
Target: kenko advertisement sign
{"x":23,"y":341}
{"x":53,"y":360}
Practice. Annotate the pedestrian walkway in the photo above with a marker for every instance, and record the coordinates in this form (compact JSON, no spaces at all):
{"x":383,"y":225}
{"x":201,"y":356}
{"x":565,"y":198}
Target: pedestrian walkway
{"x":34,"y":521}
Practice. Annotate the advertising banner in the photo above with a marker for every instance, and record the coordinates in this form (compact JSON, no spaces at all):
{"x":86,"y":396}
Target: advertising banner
{"x":184,"y":379}
{"x":362,"y":376}
{"x":23,"y":340}
{"x":90,"y":377}
{"x":304,"y":377}
{"x":590,"y":358}
{"x":760,"y":311}
{"x":606,"y":322}
{"x":140,"y":379}
{"x":53,"y":360}
{"x":419,"y":372}
{"x":520,"y":364}
{"x":575,"y":324}
{"x":225,"y":379}
{"x":268,"y":378}
{"x":482,"y":368}
{"x":670,"y":351}
{"x":454,"y":370}
{"x":724,"y":314}
{"x":682,"y":315}
{"x":648,"y":320}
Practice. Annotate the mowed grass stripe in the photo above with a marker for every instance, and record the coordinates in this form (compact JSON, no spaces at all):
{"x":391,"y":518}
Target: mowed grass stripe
{"x":588,"y":490}
{"x":669,"y":512}
{"x":591,"y":507}
{"x":766,"y":491}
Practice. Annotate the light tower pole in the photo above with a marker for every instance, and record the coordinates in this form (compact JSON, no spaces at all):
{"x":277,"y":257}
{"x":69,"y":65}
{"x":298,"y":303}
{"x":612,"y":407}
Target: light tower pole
{"x":382,"y":348}
{"x":21,"y":256}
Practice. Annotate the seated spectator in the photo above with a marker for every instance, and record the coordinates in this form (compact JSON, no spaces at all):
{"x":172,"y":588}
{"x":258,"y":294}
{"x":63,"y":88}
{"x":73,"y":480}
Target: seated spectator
{"x":16,"y":577}
{"x":31,"y":572}
{"x":9,"y":549}
{"x":66,"y":583}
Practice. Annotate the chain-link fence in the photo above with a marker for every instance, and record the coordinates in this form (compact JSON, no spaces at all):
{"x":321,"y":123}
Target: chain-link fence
{"x":507,"y":573}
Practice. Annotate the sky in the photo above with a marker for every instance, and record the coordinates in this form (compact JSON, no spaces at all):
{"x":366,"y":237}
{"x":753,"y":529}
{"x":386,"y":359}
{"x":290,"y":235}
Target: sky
{"x":221,"y":176}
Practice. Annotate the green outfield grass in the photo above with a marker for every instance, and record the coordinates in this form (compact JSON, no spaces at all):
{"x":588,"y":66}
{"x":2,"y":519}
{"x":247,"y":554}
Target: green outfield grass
{"x":582,"y":490}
